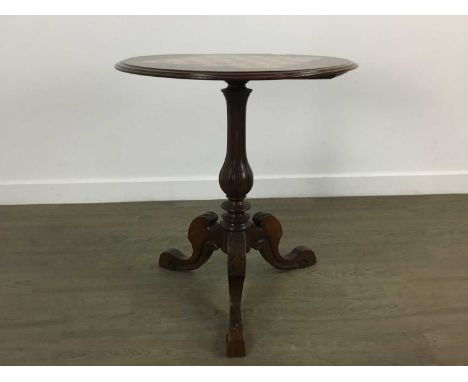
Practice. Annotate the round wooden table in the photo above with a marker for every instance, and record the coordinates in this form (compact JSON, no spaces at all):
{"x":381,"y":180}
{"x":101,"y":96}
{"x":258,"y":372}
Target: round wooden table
{"x":236,"y":233}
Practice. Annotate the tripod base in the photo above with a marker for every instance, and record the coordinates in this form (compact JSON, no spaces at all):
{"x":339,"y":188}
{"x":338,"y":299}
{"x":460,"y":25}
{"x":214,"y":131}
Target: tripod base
{"x":262,"y":233}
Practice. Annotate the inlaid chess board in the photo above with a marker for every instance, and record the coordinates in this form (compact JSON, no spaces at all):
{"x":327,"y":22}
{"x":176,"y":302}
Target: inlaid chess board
{"x":236,"y":66}
{"x":231,"y":62}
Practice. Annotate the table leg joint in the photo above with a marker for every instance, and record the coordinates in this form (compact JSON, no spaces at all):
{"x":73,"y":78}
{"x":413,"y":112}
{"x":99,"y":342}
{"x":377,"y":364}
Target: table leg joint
{"x":205,"y":235}
{"x":265,"y":234}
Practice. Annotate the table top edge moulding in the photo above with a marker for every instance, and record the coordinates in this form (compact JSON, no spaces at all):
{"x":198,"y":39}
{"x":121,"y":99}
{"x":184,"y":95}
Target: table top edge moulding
{"x":236,"y":233}
{"x":236,"y":67}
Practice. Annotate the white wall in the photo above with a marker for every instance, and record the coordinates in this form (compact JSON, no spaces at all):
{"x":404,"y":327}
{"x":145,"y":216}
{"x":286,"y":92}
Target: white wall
{"x":73,"y":129}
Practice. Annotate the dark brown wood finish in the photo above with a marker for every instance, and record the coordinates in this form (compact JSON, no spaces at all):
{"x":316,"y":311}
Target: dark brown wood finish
{"x":237,"y":67}
{"x":236,"y":233}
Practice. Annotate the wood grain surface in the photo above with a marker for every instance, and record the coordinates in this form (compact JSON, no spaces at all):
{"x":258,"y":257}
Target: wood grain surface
{"x":80,"y":285}
{"x":237,"y":67}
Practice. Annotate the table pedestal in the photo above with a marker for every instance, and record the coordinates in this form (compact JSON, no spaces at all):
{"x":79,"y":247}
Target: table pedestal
{"x":236,"y":233}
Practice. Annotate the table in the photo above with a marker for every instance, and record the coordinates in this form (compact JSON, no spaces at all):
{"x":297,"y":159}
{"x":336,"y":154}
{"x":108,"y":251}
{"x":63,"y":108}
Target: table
{"x":236,"y":233}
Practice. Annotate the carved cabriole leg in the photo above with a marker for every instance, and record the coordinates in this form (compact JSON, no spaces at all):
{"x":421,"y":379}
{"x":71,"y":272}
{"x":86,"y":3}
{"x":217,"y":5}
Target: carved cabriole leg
{"x":236,"y":248}
{"x":265,"y":234}
{"x":205,"y":236}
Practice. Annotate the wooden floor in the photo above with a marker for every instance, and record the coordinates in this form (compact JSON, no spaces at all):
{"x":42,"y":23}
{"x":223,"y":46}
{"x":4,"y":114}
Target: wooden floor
{"x":80,"y":285}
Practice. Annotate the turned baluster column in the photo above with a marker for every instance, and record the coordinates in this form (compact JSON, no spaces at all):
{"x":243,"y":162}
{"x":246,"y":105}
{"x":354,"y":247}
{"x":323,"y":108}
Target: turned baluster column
{"x":236,"y":177}
{"x":236,"y":180}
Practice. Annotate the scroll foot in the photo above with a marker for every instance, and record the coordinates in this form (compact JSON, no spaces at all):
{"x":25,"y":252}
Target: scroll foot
{"x":265,"y":235}
{"x":235,"y":344}
{"x":203,"y":235}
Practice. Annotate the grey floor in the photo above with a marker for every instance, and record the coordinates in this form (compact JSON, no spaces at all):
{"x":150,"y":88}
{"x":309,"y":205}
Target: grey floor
{"x":80,"y":285}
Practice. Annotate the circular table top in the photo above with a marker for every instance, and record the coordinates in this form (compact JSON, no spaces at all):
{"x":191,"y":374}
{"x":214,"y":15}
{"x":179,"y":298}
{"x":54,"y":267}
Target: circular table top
{"x":236,"y":67}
